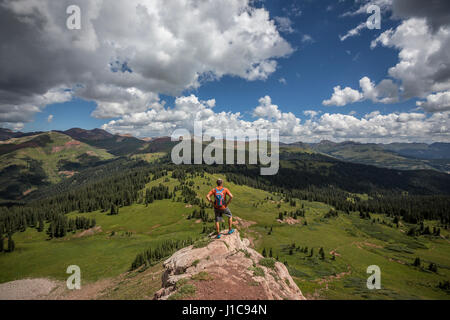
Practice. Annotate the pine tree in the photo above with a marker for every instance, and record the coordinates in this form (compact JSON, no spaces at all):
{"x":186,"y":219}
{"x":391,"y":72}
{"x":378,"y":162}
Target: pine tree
{"x":322,"y":253}
{"x":264,"y":254}
{"x":11,"y":245}
{"x":41,"y":225}
{"x":433,"y":267}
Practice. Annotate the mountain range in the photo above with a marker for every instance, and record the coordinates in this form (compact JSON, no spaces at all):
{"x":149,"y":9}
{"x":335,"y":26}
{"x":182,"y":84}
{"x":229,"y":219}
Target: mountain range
{"x":31,"y":160}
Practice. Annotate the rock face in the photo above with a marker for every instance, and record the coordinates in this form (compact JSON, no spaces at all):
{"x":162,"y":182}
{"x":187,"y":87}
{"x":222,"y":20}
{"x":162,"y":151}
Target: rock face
{"x":223,"y":269}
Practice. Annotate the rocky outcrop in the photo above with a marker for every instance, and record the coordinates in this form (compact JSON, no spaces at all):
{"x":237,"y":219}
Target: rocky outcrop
{"x":225,"y":268}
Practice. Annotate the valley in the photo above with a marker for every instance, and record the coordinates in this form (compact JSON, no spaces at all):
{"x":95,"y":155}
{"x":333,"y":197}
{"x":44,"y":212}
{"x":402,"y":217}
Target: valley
{"x":355,"y":242}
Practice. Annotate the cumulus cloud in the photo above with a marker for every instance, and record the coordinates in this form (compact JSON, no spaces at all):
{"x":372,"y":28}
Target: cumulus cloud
{"x":436,"y":102}
{"x":129,"y":52}
{"x":423,"y":42}
{"x":372,"y":127}
{"x":424,"y":57}
{"x":266,"y":109}
{"x":50,"y":118}
{"x":385,"y":92}
{"x":342,"y":97}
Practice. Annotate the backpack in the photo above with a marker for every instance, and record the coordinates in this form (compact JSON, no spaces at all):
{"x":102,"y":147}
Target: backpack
{"x":220,"y":199}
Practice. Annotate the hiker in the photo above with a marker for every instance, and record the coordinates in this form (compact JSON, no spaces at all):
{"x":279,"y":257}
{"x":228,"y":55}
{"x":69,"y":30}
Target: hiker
{"x":222,"y":198}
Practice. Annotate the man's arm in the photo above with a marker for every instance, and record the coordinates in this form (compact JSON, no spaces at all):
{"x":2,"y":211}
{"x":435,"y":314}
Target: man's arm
{"x":208,"y":196}
{"x":229,"y":198}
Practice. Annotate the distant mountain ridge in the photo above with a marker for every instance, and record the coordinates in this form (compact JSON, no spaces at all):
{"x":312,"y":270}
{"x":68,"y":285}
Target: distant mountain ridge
{"x":94,"y":134}
{"x":402,"y":156}
{"x":6,"y":134}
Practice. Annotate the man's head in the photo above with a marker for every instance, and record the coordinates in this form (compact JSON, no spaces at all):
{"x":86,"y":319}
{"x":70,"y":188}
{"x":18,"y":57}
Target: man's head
{"x":219,"y":182}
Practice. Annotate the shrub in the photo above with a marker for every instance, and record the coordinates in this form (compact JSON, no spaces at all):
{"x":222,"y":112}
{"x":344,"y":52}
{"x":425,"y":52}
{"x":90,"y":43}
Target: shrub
{"x":267,"y":262}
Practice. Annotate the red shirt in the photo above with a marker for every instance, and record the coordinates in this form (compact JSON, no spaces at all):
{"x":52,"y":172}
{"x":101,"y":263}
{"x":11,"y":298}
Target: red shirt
{"x":225,"y":192}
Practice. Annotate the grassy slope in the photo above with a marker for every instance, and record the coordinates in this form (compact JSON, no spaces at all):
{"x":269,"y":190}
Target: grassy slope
{"x":359,"y":243}
{"x":49,"y":155}
{"x":374,"y":155}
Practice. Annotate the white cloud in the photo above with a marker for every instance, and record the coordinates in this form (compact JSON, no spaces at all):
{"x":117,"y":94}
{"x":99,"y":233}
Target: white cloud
{"x":282,"y":81}
{"x":372,"y":127}
{"x":353,"y":32}
{"x":306,"y":38}
{"x":385,"y":5}
{"x":310,"y":113}
{"x":266,"y":109}
{"x":342,"y":97}
{"x":284,"y":24}
{"x":129,"y":52}
{"x":436,"y":102}
{"x":385,"y":92}
{"x":50,"y":118}
{"x":424,"y":57}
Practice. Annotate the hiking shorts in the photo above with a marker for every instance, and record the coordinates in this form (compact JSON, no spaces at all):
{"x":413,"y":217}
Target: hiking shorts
{"x":219,"y":214}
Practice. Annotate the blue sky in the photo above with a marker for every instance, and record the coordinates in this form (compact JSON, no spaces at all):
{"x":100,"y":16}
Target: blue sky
{"x":303,"y":40}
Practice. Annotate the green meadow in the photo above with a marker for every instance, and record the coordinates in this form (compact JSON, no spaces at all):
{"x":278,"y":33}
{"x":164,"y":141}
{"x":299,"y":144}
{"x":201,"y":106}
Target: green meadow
{"x":355,"y":242}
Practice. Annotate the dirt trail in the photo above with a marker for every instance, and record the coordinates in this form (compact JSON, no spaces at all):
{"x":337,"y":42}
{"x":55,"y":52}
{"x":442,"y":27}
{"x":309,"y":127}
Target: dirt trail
{"x":27,"y":289}
{"x":129,"y":285}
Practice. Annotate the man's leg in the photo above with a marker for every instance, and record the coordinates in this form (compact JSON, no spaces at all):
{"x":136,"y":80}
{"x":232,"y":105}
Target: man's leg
{"x":230,"y":220}
{"x":217,"y":227}
{"x":230,"y":223}
{"x":218,"y":218}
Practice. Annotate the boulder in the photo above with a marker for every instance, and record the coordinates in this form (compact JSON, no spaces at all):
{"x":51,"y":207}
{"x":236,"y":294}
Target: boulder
{"x":226,"y":269}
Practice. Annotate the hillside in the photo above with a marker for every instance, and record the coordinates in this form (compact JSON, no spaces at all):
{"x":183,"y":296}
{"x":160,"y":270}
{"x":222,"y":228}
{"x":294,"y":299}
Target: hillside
{"x":46,"y":158}
{"x":349,"y":242}
{"x":120,"y":145}
{"x":394,"y":156}
{"x":6,"y":134}
{"x":432,"y":151}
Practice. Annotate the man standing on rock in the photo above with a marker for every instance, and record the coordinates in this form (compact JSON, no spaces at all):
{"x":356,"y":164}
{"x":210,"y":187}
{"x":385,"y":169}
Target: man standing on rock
{"x":222,"y":198}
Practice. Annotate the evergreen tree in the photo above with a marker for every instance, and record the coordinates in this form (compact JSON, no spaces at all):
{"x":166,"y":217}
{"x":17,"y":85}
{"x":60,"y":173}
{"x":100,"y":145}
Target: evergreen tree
{"x":41,"y":225}
{"x":433,"y":267}
{"x":322,"y":253}
{"x":11,"y":244}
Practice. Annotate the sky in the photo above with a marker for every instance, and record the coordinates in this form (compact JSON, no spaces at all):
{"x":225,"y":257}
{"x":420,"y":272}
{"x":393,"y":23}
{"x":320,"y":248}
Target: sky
{"x":311,"y":69}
